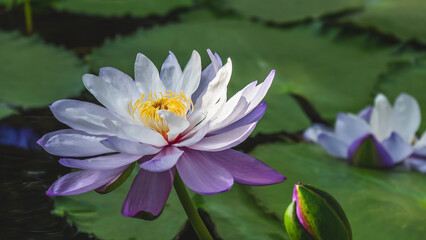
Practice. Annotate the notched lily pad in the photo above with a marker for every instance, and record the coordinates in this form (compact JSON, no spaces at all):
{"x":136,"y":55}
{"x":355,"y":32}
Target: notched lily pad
{"x":34,"y":74}
{"x":396,"y":17}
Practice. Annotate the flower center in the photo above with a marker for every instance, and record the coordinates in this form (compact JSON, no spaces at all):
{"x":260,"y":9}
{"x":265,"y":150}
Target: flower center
{"x":146,"y":110}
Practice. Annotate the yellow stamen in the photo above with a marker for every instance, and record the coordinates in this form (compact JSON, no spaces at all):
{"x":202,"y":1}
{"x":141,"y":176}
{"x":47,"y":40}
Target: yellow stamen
{"x":146,"y":110}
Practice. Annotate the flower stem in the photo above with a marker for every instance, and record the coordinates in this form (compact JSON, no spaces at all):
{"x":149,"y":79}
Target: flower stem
{"x":28,"y":17}
{"x":192,"y":213}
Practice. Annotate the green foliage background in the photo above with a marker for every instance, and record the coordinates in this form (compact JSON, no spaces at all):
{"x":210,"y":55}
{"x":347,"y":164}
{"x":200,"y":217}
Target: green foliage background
{"x":330,"y":56}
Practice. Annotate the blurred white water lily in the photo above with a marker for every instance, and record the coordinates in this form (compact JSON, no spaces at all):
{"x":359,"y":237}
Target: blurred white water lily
{"x":379,"y":136}
{"x":167,"y":121}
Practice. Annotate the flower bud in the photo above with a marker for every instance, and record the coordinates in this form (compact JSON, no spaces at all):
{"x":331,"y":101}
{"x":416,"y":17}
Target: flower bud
{"x":315,"y":215}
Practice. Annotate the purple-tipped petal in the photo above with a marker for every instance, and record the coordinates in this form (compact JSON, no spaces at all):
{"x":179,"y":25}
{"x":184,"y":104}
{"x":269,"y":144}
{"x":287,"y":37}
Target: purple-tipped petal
{"x":102,"y":162}
{"x":207,"y":75}
{"x":83,"y":181}
{"x":202,"y":175}
{"x":366,"y":113}
{"x":350,"y":127}
{"x":148,"y":193}
{"x":367,"y":151}
{"x":334,"y":146}
{"x":397,"y":148}
{"x":164,"y":160}
{"x":73,"y":143}
{"x":416,"y":163}
{"x":224,"y":140}
{"x":130,"y":147}
{"x":254,"y":116}
{"x":261,"y":91}
{"x":246,"y":169}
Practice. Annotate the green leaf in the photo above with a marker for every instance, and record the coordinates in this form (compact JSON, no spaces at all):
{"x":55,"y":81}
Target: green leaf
{"x":136,"y":8}
{"x":34,"y":74}
{"x":290,"y":10}
{"x":396,"y":17}
{"x":5,"y":111}
{"x":236,"y":216}
{"x":410,"y":79}
{"x":379,"y":204}
{"x":100,"y":214}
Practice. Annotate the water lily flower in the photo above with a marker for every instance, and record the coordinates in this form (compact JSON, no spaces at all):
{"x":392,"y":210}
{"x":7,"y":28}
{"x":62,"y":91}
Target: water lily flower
{"x":167,"y":121}
{"x":379,"y":136}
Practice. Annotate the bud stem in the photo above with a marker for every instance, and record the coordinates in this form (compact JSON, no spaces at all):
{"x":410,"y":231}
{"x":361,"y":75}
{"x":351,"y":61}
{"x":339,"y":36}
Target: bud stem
{"x":192,"y":213}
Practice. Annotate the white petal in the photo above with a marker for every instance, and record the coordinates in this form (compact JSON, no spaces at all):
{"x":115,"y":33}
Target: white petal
{"x":224,"y":140}
{"x":207,"y":75}
{"x":381,"y":123}
{"x":107,"y":94}
{"x":177,"y":124}
{"x":229,"y":113}
{"x":312,"y":133}
{"x":333,"y":145}
{"x":130,"y":147}
{"x":87,"y":117}
{"x":191,"y":139}
{"x":255,"y":97}
{"x":121,"y":81}
{"x":170,"y":72}
{"x":146,"y":75}
{"x":406,"y":117}
{"x":73,"y":143}
{"x":350,"y":127}
{"x":142,"y":134}
{"x":190,"y":78}
{"x":214,"y":97}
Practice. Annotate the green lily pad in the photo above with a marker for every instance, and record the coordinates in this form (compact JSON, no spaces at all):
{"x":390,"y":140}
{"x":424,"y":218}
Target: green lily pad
{"x":282,"y":11}
{"x":100,"y":214}
{"x":136,"y":8}
{"x":236,"y":216}
{"x":5,"y":111}
{"x":34,"y":74}
{"x":395,"y":17}
{"x":380,"y":204}
{"x":411,"y":80}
